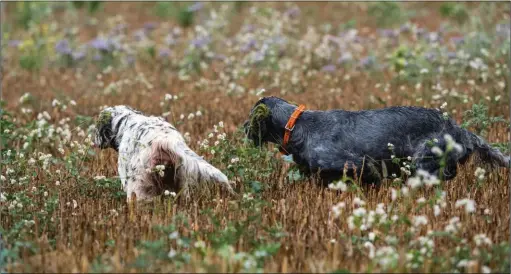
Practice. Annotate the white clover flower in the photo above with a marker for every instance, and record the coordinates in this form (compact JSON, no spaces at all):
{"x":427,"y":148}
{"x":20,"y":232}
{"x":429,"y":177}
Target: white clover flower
{"x":221,"y":124}
{"x":161,"y":170}
{"x":481,"y":239}
{"x":443,"y":105}
{"x":174,"y":235}
{"x":371,"y":236}
{"x":213,"y":151}
{"x":337,"y":209}
{"x":45,"y":194}
{"x":390,"y":146}
{"x":436,"y":210}
{"x":57,"y":183}
{"x":405,"y":191}
{"x":172,"y":253}
{"x":198,"y":113}
{"x":24,"y":98}
{"x":485,"y":269}
{"x":168,"y":97}
{"x":359,"y":212}
{"x":166,"y":193}
{"x":221,"y":136}
{"x":421,"y":200}
{"x":191,"y":116}
{"x":182,"y":116}
{"x":393,"y":194}
{"x":479,"y":173}
{"x":470,"y":205}
{"x":414,"y":182}
{"x":75,"y":204}
{"x":211,"y":135}
{"x":487,"y":211}
{"x":339,"y":185}
{"x":333,"y":241}
{"x":371,"y":248}
{"x":420,"y":220}
{"x":235,"y":160}
{"x":437,"y":151}
{"x":217,"y":143}
{"x":387,"y":256}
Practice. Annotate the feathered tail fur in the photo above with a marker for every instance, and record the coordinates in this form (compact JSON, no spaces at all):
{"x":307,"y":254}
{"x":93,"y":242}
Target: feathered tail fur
{"x":190,"y":167}
{"x":487,"y":153}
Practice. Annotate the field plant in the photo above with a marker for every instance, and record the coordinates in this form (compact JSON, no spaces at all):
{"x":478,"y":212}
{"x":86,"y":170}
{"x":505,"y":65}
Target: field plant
{"x":202,"y":66}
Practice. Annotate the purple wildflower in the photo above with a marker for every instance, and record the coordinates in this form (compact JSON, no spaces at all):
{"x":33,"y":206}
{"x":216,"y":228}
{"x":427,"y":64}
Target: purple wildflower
{"x":248,"y":46}
{"x":329,"y":68}
{"x":503,"y":29}
{"x":433,"y":37}
{"x":78,"y":55}
{"x":139,"y":35}
{"x":430,"y":56}
{"x":404,"y":28}
{"x":14,"y":43}
{"x":420,"y":32}
{"x":120,"y":28}
{"x":389,"y":33}
{"x":458,"y":40}
{"x":451,"y":55}
{"x":97,"y":57}
{"x":345,"y":58}
{"x":293,"y":12}
{"x":195,"y":7}
{"x":101,"y":44}
{"x":63,"y":47}
{"x":201,"y":42}
{"x":170,"y":40}
{"x":259,"y":56}
{"x":130,"y":59}
{"x":164,"y":53}
{"x":367,"y":62}
{"x":150,"y":26}
{"x":248,"y":28}
{"x":220,"y":57}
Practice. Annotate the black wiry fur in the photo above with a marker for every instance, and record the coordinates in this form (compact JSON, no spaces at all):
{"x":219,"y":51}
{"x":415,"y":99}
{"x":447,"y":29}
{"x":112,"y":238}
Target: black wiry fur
{"x":323,"y":141}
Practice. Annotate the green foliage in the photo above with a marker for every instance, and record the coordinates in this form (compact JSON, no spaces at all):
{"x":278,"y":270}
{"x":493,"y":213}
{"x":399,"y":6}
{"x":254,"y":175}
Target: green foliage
{"x":478,"y":118}
{"x":456,"y":11}
{"x":386,"y":13}
{"x":31,"y":61}
{"x":32,"y":13}
{"x":92,"y":6}
{"x":179,"y":11}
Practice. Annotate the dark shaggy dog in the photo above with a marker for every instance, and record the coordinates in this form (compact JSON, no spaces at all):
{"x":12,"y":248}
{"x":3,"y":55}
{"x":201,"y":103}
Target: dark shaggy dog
{"x":324,"y":141}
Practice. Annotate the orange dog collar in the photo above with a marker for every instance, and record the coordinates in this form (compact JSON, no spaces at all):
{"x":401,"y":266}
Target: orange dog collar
{"x":291,"y":124}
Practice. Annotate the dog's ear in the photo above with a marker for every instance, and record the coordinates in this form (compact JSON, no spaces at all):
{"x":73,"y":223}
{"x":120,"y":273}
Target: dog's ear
{"x":256,"y":127}
{"x":104,"y":132}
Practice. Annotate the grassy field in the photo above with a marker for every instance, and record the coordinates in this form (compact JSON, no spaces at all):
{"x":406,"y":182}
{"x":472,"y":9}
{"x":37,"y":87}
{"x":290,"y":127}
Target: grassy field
{"x":203,"y":66}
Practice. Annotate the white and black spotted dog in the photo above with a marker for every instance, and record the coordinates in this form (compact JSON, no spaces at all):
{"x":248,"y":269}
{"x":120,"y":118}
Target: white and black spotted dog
{"x":145,"y":145}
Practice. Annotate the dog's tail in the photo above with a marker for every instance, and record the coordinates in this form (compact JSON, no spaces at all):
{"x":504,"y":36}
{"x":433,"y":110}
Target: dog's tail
{"x":486,"y":153}
{"x":190,"y":167}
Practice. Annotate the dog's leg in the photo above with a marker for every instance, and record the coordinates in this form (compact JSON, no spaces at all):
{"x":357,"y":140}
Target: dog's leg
{"x":426,"y":160}
{"x":136,"y":186}
{"x":332,"y":171}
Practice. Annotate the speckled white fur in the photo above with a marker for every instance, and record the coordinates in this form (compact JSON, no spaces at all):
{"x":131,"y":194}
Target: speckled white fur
{"x":137,"y":138}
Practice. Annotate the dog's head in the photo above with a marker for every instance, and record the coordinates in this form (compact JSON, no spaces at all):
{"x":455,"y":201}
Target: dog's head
{"x":259,"y":127}
{"x":107,"y":125}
